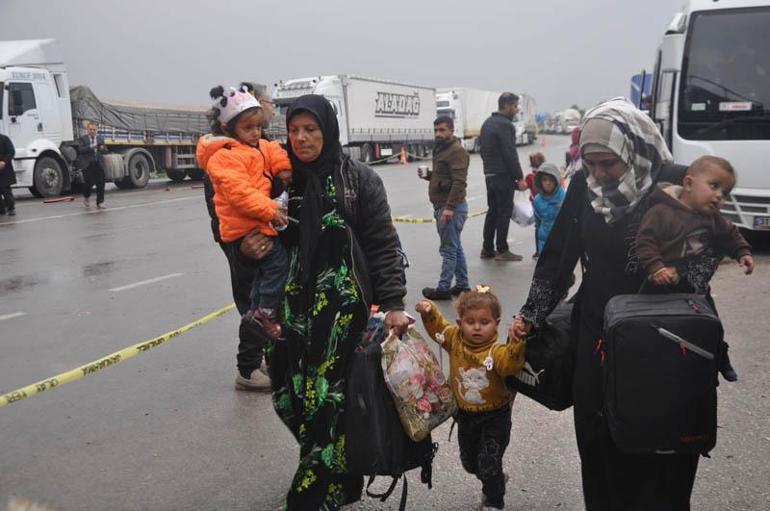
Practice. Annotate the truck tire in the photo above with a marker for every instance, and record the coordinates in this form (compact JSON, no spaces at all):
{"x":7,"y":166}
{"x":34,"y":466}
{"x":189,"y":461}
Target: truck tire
{"x":195,"y":174}
{"x":176,"y":175}
{"x":367,"y":153}
{"x":139,"y":167}
{"x":48,"y":178}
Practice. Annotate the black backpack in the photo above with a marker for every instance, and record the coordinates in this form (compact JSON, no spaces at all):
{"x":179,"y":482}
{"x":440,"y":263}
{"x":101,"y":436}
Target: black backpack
{"x":377,"y":444}
{"x":660,"y":372}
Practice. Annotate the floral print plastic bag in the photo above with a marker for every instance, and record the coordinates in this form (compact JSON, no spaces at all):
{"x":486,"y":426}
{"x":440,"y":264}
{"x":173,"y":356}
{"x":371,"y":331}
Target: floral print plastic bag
{"x":420,"y":390}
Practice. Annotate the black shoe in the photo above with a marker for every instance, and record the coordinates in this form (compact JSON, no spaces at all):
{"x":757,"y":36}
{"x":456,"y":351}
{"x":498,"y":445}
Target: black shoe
{"x":487,"y":254}
{"x":457,"y":291}
{"x":11,"y":212}
{"x":728,"y":371}
{"x":507,"y":255}
{"x":432,"y":293}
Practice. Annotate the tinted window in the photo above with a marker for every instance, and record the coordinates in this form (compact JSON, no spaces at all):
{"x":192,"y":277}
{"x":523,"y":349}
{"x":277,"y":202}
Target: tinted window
{"x":20,"y":98}
{"x":726,"y":72}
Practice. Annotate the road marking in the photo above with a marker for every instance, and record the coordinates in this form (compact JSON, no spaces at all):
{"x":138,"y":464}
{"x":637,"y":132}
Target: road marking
{"x":109,"y":360}
{"x":98,"y":211}
{"x":12,"y":315}
{"x":145,"y":282}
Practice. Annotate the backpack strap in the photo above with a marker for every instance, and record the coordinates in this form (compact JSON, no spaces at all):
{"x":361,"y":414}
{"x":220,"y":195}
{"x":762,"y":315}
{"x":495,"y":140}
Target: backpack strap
{"x":387,"y":493}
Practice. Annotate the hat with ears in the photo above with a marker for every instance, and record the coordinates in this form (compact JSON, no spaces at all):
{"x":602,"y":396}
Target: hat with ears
{"x":234,"y":102}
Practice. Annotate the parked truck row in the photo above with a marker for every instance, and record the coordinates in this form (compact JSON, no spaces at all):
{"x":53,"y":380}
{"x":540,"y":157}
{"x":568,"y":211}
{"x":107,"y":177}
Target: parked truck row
{"x":44,"y":117}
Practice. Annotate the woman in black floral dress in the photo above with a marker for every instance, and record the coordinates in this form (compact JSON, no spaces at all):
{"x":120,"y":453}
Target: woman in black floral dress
{"x":344,"y":256}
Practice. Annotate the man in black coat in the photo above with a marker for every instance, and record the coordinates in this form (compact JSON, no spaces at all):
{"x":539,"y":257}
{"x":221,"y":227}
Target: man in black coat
{"x":7,"y":176}
{"x":90,"y":147}
{"x":502,"y":174}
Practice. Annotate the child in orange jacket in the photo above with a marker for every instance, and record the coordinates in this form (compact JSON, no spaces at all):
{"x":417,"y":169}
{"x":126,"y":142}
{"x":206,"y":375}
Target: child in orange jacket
{"x":242,"y":167}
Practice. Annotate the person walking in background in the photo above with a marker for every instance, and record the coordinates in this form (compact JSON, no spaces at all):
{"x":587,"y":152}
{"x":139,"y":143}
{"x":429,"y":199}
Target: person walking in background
{"x":502,"y":175}
{"x":535,"y":160}
{"x":548,"y":201}
{"x":90,"y":147}
{"x":448,"y":182}
{"x":7,"y":176}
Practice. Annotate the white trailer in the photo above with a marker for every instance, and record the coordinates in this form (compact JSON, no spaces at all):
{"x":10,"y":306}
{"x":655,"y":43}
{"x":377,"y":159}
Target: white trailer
{"x":43,"y":118}
{"x":711,"y":95}
{"x":525,"y":123}
{"x":469,"y":108}
{"x":376,"y":117}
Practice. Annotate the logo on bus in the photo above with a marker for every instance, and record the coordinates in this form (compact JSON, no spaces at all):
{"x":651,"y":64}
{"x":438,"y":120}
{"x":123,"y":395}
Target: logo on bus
{"x":397,"y":105}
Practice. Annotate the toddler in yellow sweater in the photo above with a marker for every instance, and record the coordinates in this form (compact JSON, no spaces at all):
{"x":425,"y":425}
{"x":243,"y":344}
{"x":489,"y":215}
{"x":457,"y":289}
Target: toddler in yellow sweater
{"x":478,"y":365}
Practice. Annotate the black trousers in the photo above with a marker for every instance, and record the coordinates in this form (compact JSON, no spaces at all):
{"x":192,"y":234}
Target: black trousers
{"x":94,"y":176}
{"x":500,"y":190}
{"x":483,"y":438}
{"x":6,"y":199}
{"x":250,"y":347}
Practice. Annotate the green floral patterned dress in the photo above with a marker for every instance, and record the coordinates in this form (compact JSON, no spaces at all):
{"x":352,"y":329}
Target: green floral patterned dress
{"x":308,"y":369}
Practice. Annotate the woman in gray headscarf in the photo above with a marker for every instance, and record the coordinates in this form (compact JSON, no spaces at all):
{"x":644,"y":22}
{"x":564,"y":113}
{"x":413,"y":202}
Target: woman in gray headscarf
{"x":623,"y":156}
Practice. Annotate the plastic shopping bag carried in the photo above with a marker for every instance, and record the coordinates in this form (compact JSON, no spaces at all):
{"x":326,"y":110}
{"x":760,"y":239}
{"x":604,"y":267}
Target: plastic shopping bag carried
{"x":523,"y":214}
{"x":420,"y":390}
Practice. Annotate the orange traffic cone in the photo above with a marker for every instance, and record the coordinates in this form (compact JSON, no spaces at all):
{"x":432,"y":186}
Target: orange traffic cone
{"x":403,"y":155}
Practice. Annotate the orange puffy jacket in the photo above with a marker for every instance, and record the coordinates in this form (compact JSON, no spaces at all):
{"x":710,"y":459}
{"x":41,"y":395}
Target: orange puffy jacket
{"x":242,"y":179}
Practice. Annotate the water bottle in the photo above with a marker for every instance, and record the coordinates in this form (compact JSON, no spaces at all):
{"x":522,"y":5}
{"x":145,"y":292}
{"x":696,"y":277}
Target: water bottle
{"x":282,"y":201}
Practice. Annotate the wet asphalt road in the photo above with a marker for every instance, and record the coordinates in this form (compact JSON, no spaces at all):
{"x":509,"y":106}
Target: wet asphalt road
{"x":166,"y":430}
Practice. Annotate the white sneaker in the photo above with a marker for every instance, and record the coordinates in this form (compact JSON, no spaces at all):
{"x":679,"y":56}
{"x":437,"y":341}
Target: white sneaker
{"x":263,"y":368}
{"x":257,"y":382}
{"x":87,"y":202}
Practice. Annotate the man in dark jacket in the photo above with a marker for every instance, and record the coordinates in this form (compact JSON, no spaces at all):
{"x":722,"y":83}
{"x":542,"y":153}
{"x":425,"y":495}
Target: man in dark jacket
{"x":448,"y":182}
{"x":502,"y":174}
{"x":7,"y":176}
{"x":90,"y":147}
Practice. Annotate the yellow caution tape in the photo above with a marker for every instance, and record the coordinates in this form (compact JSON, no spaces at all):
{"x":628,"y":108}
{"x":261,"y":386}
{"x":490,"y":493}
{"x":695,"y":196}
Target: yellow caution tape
{"x":107,"y":361}
{"x":410,"y":220}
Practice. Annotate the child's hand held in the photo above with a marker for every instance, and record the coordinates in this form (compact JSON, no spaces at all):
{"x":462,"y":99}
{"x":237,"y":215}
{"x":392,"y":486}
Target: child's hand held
{"x":423,"y":307}
{"x":747,"y":263}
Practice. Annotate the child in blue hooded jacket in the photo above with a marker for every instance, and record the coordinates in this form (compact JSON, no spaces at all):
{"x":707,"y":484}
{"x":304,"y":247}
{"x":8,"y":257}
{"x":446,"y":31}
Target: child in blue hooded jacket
{"x":550,"y":195}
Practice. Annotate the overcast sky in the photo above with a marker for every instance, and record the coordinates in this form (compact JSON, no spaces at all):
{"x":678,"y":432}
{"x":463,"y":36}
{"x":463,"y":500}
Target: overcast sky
{"x":559,"y":51}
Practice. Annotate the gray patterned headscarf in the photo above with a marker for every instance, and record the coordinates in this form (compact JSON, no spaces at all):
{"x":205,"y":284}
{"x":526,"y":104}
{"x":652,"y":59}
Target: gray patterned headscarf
{"x":617,"y":126}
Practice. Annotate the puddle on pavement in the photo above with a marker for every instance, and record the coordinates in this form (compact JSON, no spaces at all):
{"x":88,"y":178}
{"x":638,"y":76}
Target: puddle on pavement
{"x":21,"y":282}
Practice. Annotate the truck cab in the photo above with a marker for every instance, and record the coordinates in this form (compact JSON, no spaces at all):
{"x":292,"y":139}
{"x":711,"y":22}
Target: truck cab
{"x":711,"y":96}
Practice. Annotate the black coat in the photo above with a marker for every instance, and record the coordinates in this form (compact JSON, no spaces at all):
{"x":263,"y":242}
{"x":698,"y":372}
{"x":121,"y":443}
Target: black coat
{"x":7,"y":152}
{"x":498,"y":147}
{"x":611,"y":479}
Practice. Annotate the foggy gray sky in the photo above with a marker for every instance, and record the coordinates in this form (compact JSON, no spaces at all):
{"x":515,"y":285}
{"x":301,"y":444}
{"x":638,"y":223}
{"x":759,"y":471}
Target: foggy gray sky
{"x":559,"y":51}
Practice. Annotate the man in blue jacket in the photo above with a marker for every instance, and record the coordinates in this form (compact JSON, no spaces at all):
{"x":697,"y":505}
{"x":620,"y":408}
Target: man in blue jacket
{"x":502,"y":174}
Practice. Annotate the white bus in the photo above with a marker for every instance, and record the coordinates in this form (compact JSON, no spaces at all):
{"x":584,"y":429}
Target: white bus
{"x":711,"y":95}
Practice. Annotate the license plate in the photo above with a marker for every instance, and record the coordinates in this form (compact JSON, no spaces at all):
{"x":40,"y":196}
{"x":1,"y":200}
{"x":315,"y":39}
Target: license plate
{"x":762,"y":222}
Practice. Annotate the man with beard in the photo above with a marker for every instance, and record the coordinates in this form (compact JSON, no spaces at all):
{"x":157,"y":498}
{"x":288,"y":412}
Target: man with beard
{"x":448,"y":182}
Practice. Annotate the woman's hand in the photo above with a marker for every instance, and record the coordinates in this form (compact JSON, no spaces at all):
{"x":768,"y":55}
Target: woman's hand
{"x":520,"y":328}
{"x":397,"y":321}
{"x":280,"y":218}
{"x":257,"y":245}
{"x":423,"y":307}
{"x":285,"y":177}
{"x":747,"y":262}
{"x":665,"y":276}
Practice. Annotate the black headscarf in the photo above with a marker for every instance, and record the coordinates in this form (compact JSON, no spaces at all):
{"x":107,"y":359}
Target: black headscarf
{"x":309,"y":177}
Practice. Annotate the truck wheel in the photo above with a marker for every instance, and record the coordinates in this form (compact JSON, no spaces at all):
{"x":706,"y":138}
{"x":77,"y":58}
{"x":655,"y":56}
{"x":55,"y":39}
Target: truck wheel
{"x":48,"y":177}
{"x":138,"y":171}
{"x":195,"y":174}
{"x":175,"y":175}
{"x":367,"y":153}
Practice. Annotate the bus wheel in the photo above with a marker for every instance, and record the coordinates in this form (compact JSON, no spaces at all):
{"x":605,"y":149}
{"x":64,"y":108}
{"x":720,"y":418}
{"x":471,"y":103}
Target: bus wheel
{"x":48,"y":177}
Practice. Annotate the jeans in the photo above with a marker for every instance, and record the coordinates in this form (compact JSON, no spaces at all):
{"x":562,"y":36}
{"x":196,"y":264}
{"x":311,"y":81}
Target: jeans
{"x":500,"y":190}
{"x":270,"y":277}
{"x":453,"y":265}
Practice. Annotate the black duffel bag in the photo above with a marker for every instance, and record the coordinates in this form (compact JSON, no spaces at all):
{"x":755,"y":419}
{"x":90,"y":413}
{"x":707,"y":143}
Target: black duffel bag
{"x":376,"y":443}
{"x":550,"y":362}
{"x":660,"y":372}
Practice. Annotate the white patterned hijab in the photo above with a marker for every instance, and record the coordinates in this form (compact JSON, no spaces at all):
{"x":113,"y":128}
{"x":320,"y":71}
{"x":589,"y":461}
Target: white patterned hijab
{"x":617,"y":126}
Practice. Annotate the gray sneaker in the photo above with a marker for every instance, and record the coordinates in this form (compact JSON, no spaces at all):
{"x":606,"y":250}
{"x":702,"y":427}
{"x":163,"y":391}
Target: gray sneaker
{"x":258,"y":382}
{"x":507,"y":255}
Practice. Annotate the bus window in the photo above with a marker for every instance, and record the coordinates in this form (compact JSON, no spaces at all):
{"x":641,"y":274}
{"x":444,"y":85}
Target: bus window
{"x":724,"y":92}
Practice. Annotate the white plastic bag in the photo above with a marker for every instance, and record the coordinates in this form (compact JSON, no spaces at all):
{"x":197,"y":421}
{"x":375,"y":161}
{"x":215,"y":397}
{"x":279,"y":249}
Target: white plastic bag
{"x":523,"y":214}
{"x":419,"y":388}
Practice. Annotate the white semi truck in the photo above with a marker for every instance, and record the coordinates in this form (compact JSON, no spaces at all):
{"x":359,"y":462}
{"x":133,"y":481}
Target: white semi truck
{"x":525,"y":123}
{"x":711,"y":95}
{"x":469,"y":108}
{"x":44,"y":117}
{"x":376,"y":117}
